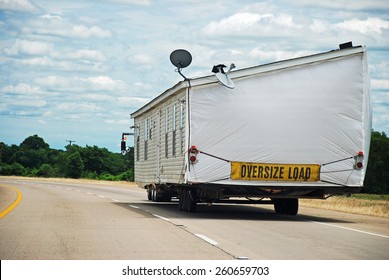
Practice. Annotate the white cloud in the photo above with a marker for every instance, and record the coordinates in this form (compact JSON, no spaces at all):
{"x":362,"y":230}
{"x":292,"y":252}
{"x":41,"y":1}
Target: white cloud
{"x":104,"y":83}
{"x":247,"y":22}
{"x":133,"y":102}
{"x":134,"y":2}
{"x":50,"y":16}
{"x":265,"y":55}
{"x":142,"y":86}
{"x":97,"y":97}
{"x":18,"y":5}
{"x":53,"y":82}
{"x":26,"y":47}
{"x":49,"y":24}
{"x":38,"y":61}
{"x":80,"y":84}
{"x":142,"y":58}
{"x":21,"y":88}
{"x":380,"y":84}
{"x":28,"y":103}
{"x":85,"y":54}
{"x":319,"y":26}
{"x":22,"y":100}
{"x":83,"y":31}
{"x":79,"y":107}
{"x":235,"y":23}
{"x":370,"y":25}
{"x":121,"y":122}
{"x":340,"y":5}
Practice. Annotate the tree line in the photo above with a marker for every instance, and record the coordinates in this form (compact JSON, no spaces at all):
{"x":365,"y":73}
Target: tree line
{"x":33,"y":157}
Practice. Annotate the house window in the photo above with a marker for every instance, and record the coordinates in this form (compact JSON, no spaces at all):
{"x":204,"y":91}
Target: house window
{"x":147,"y":131}
{"x":182,"y":141}
{"x":174,"y":131}
{"x":137,"y":135}
{"x":166,"y":132}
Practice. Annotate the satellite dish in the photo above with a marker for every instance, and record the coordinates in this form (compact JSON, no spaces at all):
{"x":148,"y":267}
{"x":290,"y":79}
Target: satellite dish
{"x":225,"y":80}
{"x":181,"y":59}
{"x":222,"y":76}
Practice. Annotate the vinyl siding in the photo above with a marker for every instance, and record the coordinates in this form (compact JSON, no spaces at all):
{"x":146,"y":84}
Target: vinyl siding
{"x":160,"y":151}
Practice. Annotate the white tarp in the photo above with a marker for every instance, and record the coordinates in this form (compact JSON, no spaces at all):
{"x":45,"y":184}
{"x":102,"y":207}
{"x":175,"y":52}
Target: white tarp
{"x":309,"y":114}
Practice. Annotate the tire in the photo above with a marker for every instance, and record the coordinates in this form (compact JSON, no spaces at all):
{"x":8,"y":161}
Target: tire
{"x":286,"y":206}
{"x":186,"y":201}
{"x":154,"y":194}
{"x":149,"y":194}
{"x":181,"y":200}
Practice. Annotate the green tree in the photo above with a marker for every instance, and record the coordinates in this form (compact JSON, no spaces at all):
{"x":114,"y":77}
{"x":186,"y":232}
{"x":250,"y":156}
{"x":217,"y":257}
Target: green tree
{"x":377,"y":176}
{"x":34,"y":142}
{"x":34,"y":157}
{"x":95,"y":159}
{"x":129,"y":158}
{"x":30,"y":158}
{"x":75,"y":165}
{"x":13,"y":169}
{"x":6,"y":153}
{"x":100,"y":160}
{"x":45,"y":170}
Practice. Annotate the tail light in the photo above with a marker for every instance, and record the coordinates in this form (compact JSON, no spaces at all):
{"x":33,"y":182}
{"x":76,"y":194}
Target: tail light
{"x":359,"y":161}
{"x":193,"y":154}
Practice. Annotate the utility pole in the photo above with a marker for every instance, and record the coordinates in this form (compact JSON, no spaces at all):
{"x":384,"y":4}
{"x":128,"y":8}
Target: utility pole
{"x":70,"y":142}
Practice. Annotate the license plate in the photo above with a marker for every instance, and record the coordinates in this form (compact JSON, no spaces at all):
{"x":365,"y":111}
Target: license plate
{"x":275,"y":172}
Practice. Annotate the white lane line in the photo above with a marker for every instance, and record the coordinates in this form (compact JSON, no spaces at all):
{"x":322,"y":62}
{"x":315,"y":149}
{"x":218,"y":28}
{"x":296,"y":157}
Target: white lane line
{"x":133,"y":206}
{"x":78,"y":191}
{"x":101,"y":196}
{"x":350,"y":229}
{"x":207,"y":239}
{"x":162,"y":218}
{"x":89,"y":193}
{"x":115,"y":200}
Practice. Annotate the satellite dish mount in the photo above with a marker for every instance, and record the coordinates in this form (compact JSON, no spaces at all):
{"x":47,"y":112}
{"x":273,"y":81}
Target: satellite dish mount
{"x":181,"y":59}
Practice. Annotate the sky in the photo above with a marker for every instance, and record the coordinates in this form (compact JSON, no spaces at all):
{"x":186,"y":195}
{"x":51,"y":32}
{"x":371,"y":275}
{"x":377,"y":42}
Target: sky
{"x":76,"y":70}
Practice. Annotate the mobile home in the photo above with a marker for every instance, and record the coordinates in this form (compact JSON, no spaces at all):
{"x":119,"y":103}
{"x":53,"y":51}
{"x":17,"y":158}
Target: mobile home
{"x":298,"y":128}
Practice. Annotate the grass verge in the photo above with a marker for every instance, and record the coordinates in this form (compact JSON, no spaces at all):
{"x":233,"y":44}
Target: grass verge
{"x":362,"y":204}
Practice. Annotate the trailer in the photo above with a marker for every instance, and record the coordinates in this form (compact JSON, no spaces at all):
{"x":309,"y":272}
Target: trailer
{"x":297,"y":128}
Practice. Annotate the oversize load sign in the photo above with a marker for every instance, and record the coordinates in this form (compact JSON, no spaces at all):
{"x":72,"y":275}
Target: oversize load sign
{"x":275,"y":172}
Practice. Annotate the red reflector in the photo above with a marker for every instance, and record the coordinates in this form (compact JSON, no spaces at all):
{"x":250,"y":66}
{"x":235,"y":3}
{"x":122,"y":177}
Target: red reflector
{"x":192,"y":159}
{"x":359,"y":165}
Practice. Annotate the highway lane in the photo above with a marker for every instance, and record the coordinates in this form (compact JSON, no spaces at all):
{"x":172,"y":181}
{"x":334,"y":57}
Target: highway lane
{"x":72,"y":221}
{"x":78,"y":220}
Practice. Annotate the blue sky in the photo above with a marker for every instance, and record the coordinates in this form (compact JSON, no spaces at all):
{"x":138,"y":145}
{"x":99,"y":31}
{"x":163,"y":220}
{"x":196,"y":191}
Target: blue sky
{"x":75,"y":70}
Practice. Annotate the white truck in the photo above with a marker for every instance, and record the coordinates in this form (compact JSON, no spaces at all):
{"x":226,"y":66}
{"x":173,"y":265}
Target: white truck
{"x":297,"y":128}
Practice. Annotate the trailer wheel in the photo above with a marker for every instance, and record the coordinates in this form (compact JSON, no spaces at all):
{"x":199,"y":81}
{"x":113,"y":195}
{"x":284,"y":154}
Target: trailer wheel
{"x":153,"y":194}
{"x":149,"y":193}
{"x":287,"y":206}
{"x":186,"y":201}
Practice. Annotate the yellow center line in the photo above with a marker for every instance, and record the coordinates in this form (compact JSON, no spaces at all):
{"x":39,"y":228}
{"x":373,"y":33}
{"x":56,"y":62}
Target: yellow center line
{"x":14,"y":204}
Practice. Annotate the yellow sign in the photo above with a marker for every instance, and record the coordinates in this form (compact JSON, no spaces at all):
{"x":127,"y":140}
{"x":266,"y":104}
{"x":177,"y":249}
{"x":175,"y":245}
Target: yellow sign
{"x":275,"y":172}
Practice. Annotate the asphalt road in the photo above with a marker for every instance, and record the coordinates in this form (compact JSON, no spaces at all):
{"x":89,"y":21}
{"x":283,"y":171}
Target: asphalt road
{"x":79,"y":220}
